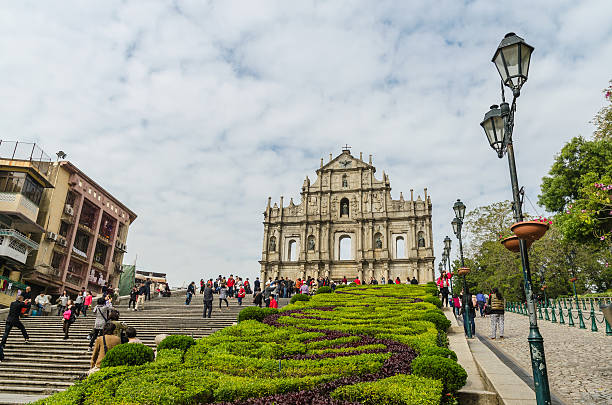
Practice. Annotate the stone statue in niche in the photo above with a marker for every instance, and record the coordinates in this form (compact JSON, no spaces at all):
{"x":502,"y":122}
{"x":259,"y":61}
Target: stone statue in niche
{"x":421,"y":240}
{"x":311,"y":243}
{"x":344,"y":181}
{"x":378,"y":242}
{"x":272,"y":244}
{"x":344,"y":209}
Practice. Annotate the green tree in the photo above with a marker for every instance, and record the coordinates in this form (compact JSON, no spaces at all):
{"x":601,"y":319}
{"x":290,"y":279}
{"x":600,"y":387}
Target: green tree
{"x":580,"y":164}
{"x":603,"y":119}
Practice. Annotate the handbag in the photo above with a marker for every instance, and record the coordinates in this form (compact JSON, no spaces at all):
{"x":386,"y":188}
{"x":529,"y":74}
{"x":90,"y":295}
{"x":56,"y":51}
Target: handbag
{"x":487,"y":310}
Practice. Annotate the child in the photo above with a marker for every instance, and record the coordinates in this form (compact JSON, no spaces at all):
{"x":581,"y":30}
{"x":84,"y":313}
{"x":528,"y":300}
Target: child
{"x":273,"y":303}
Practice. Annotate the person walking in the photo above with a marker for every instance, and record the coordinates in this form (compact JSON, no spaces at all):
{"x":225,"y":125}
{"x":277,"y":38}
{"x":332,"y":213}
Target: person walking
{"x":256,"y":286}
{"x":133,"y":298}
{"x":140,"y":300}
{"x":268,"y":292}
{"x":62,"y":303}
{"x":12,"y":320}
{"x":223,"y":296}
{"x":456,"y":304}
{"x":257,"y":300}
{"x":148,"y":289}
{"x":471,"y":314}
{"x":87,"y":302}
{"x":190,"y":293}
{"x":201,"y":286}
{"x":241,"y":294}
{"x":101,"y":311}
{"x":69,"y":318}
{"x":480,"y":302}
{"x":230,"y":285}
{"x":496,"y":305}
{"x":78,"y":303}
{"x":208,"y":301}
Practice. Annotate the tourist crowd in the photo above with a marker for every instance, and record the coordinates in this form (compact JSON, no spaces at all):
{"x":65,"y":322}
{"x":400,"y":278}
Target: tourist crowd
{"x":491,"y":304}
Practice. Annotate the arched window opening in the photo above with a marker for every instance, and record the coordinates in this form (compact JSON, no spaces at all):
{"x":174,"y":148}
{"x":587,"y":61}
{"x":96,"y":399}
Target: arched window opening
{"x":272,"y":245}
{"x":346,"y":251}
{"x":421,"y":239}
{"x":378,"y":241}
{"x":344,"y":180}
{"x":400,"y":251}
{"x":292,"y":251}
{"x":344,"y":207}
{"x":311,"y":243}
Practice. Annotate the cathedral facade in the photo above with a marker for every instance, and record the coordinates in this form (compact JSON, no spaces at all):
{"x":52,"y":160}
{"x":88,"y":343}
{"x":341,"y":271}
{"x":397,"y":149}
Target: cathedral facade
{"x":347,"y":225}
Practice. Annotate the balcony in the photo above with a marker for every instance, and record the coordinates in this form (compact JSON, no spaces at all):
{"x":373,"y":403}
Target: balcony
{"x":98,"y":266}
{"x":22,"y":211}
{"x":85,"y":229}
{"x":104,"y":239}
{"x":74,"y":279}
{"x":79,"y":254}
{"x":16,"y":245}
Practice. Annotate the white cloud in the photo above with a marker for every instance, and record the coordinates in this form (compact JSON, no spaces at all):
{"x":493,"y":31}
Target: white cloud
{"x":194,"y":113}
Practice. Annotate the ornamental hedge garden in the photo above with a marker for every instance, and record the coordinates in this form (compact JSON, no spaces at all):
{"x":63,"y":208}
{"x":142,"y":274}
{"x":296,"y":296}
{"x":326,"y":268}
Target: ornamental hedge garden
{"x":360,"y":345}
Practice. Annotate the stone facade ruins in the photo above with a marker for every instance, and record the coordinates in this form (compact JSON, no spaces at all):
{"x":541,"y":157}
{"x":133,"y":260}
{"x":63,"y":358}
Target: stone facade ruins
{"x":347,"y":224}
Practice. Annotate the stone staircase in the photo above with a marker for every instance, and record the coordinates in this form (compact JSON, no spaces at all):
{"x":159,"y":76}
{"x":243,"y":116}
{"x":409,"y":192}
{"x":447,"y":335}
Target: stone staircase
{"x":48,"y":363}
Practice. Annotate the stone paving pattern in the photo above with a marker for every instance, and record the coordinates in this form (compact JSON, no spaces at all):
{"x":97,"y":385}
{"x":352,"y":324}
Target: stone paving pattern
{"x":579,"y":361}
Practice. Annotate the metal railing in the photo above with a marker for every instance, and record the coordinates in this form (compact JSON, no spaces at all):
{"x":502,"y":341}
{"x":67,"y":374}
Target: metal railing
{"x":19,"y":236}
{"x":15,"y":150}
{"x":561,"y":309}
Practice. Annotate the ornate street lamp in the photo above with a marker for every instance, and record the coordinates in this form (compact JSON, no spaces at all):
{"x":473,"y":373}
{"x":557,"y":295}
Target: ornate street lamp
{"x":512,"y":59}
{"x":447,"y":250}
{"x":457,"y":223}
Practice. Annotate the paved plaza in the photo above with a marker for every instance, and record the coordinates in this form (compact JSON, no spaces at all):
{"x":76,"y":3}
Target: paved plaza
{"x":579,"y":361}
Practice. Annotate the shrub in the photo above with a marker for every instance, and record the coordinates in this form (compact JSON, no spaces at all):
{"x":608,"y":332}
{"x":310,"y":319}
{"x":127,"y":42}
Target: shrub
{"x":128,"y":354}
{"x":438,"y":319}
{"x":433,"y":290}
{"x":324,"y":290}
{"x":169,"y":356}
{"x":181,"y":342}
{"x":438,"y":351}
{"x":434,"y":300}
{"x":452,"y":375}
{"x":339,"y":286}
{"x":299,"y":297}
{"x":255,"y":313}
{"x":399,"y":389}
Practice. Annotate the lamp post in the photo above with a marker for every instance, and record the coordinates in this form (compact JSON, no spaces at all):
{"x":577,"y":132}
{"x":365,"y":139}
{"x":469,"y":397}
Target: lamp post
{"x":512,"y":59}
{"x":457,"y":223}
{"x":447,"y":250}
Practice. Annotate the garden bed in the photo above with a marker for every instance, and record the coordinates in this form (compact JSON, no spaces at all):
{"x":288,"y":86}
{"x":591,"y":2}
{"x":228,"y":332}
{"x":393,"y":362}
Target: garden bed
{"x":361,"y":345}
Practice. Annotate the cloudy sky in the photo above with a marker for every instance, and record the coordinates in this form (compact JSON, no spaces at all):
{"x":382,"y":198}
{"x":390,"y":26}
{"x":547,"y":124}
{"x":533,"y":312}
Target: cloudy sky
{"x":193,"y":112}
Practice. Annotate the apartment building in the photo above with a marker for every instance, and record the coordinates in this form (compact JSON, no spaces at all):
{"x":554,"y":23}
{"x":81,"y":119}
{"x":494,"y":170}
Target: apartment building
{"x":73,"y":231}
{"x":24,"y":169}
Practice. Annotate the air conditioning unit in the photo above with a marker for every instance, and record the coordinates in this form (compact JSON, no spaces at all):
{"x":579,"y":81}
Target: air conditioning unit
{"x":69,"y":210}
{"x":52,"y":236}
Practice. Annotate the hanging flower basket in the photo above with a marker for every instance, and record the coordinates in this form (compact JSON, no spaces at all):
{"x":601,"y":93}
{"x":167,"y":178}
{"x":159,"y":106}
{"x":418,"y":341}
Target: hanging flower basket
{"x":531,"y":230}
{"x":463,"y":271}
{"x":512,"y":243}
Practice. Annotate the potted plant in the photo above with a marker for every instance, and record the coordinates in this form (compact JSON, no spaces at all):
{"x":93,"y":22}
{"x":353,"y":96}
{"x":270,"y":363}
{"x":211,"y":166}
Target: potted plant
{"x":531,"y":230}
{"x":463,"y":271}
{"x":511,"y":243}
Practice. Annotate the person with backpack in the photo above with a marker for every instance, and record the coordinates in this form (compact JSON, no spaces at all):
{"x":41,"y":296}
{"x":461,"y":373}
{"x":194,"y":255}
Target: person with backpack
{"x":101,"y":311}
{"x":69,"y":318}
{"x":495,"y":308}
{"x":120,"y":327}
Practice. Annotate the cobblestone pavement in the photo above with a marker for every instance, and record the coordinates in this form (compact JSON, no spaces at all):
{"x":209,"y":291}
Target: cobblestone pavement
{"x":579,"y":361}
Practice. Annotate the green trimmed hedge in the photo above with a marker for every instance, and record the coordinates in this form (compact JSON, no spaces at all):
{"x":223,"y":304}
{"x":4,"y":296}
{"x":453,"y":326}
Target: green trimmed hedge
{"x":452,"y":375}
{"x":324,"y":290}
{"x":255,"y":313}
{"x":299,"y":297}
{"x":128,"y":354}
{"x":242,"y":361}
{"x":434,"y":300}
{"x":400,"y":389}
{"x":181,"y":342}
